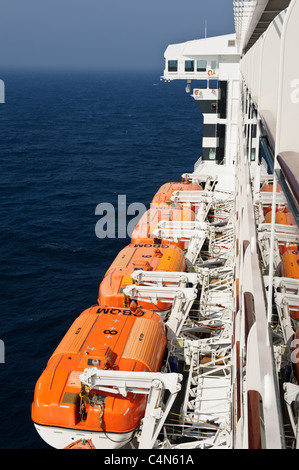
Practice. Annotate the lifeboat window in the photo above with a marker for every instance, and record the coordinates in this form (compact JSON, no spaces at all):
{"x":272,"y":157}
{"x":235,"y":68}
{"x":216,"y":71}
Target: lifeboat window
{"x":94,"y":362}
{"x":172,"y":66}
{"x":201,"y":66}
{"x":189,"y":65}
{"x":213,"y":84}
{"x":202,"y":84}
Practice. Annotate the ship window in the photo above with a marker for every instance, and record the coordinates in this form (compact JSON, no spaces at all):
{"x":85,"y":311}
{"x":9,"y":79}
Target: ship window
{"x":172,"y":66}
{"x":213,"y":84}
{"x":213,"y":65}
{"x":212,"y":154}
{"x":201,"y":66}
{"x":203,"y":84}
{"x":189,"y":65}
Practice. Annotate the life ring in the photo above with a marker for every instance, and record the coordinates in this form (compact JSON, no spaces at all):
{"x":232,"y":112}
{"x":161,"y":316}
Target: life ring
{"x":210,"y":73}
{"x":197,"y":92}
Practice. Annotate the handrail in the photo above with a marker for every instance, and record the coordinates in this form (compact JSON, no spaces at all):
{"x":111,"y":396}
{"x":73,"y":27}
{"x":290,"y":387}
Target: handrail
{"x":258,"y":389}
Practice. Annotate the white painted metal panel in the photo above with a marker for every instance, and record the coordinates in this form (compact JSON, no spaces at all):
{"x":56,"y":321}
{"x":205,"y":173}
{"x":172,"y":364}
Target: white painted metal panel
{"x":256,"y":70}
{"x":270,"y":74}
{"x":288,"y":118}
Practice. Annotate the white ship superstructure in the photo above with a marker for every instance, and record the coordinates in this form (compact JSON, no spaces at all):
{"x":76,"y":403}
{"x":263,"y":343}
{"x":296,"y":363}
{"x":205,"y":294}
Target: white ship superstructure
{"x":230,"y":379}
{"x":250,"y":141}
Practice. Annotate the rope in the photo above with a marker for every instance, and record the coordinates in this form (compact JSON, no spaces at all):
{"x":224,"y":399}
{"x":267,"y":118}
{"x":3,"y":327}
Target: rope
{"x":101,"y":408}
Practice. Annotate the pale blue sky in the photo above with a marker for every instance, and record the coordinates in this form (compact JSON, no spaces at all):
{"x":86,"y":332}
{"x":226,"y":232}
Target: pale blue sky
{"x":104,"y":33}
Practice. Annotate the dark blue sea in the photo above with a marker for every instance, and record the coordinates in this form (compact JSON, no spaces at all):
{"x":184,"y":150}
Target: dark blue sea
{"x":70,"y":140}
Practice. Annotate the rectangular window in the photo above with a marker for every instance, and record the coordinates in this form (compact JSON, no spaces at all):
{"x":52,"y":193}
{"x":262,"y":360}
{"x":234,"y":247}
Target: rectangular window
{"x":172,"y":66}
{"x":189,"y":65}
{"x":213,"y":84}
{"x":213,"y":65}
{"x":201,"y":66}
{"x":202,"y":84}
{"x":212,"y":154}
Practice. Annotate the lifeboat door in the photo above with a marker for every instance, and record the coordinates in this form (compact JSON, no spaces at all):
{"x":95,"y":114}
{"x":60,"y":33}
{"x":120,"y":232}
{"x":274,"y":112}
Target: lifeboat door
{"x":152,"y":384}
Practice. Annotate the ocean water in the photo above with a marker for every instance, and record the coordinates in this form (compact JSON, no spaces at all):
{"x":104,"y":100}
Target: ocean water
{"x":70,"y":140}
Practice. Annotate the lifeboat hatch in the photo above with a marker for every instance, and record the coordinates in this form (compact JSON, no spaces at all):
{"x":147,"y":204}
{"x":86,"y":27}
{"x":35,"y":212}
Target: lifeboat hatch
{"x":142,"y":264}
{"x":70,"y":397}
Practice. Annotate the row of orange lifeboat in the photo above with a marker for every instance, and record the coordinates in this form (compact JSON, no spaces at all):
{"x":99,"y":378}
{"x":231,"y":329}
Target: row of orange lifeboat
{"x":289,"y":267}
{"x":116,"y":334}
{"x":290,"y":253}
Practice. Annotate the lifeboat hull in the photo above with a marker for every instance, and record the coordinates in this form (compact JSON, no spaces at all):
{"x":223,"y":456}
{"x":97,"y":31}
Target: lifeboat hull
{"x":61,"y":438}
{"x":163,"y":195}
{"x":106,"y":338}
{"x":268,"y":188}
{"x":282,"y":217}
{"x":289,"y":265}
{"x":144,"y":230}
{"x":138,"y":256}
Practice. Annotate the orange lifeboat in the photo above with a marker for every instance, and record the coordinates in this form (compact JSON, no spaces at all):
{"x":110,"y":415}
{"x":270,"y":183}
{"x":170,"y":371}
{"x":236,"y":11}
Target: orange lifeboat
{"x":283,"y":217}
{"x":268,"y":188}
{"x":268,"y":217}
{"x":143,"y":232}
{"x":289,"y":264}
{"x":138,"y":256}
{"x":66,"y":412}
{"x":290,"y":268}
{"x":163,"y":195}
{"x":287,"y":248}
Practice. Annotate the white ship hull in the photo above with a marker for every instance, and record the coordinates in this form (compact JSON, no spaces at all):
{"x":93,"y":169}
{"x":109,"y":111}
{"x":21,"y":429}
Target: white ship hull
{"x":61,"y":438}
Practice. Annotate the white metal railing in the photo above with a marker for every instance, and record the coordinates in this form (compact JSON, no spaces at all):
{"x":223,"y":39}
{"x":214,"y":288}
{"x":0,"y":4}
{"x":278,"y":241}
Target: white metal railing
{"x":243,"y":12}
{"x":252,"y":333}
